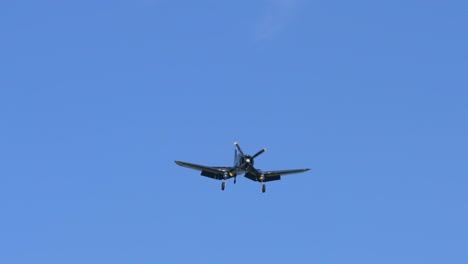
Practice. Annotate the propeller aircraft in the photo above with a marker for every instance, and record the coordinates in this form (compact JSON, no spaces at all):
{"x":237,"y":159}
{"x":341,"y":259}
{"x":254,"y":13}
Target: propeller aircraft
{"x":243,"y":164}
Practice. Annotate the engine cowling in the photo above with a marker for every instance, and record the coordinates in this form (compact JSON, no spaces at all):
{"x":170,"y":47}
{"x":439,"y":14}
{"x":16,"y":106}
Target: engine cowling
{"x":247,"y":160}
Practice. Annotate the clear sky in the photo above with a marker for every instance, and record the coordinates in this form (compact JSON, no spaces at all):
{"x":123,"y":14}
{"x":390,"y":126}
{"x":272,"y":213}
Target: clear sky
{"x":98,"y":98}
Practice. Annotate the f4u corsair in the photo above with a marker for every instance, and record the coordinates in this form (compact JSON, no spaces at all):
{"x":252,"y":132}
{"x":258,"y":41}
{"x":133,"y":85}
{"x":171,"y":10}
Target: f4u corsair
{"x":243,"y":164}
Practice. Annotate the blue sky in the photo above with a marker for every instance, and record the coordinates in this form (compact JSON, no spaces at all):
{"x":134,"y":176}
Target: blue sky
{"x":98,"y":98}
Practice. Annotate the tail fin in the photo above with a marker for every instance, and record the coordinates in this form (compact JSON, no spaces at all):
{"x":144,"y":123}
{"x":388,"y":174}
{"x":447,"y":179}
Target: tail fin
{"x":235,"y":156}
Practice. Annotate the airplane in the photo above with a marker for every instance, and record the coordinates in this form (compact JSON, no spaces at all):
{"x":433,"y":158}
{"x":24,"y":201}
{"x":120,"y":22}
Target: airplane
{"x":243,"y":164}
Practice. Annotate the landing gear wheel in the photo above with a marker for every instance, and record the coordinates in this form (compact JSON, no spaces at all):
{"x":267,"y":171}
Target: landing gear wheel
{"x":263,"y":188}
{"x":223,"y":185}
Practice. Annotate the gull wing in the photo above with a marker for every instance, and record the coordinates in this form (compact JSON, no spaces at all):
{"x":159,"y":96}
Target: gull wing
{"x":208,"y":171}
{"x":282,"y":172}
{"x":271,"y":175}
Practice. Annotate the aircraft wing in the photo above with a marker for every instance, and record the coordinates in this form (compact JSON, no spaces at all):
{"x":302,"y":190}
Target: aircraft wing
{"x":271,"y":175}
{"x":208,"y":171}
{"x":282,"y":172}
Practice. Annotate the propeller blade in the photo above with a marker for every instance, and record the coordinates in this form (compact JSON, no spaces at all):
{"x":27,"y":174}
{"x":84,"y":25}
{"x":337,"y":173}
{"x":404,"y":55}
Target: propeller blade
{"x":258,"y":153}
{"x":238,"y":148}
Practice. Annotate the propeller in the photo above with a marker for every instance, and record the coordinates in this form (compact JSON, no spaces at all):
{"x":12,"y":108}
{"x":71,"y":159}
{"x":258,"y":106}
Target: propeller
{"x":238,"y":148}
{"x":248,"y":158}
{"x":258,"y":153}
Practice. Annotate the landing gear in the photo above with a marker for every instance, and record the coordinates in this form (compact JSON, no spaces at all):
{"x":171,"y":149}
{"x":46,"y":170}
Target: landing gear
{"x":223,"y":185}
{"x":263,"y":188}
{"x":234,"y":180}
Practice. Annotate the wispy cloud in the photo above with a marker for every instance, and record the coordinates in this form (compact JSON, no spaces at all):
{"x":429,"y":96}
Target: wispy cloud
{"x":275,"y":17}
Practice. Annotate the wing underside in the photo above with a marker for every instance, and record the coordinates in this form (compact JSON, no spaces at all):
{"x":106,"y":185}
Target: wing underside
{"x":208,"y":171}
{"x":272,"y":175}
{"x":254,"y":175}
